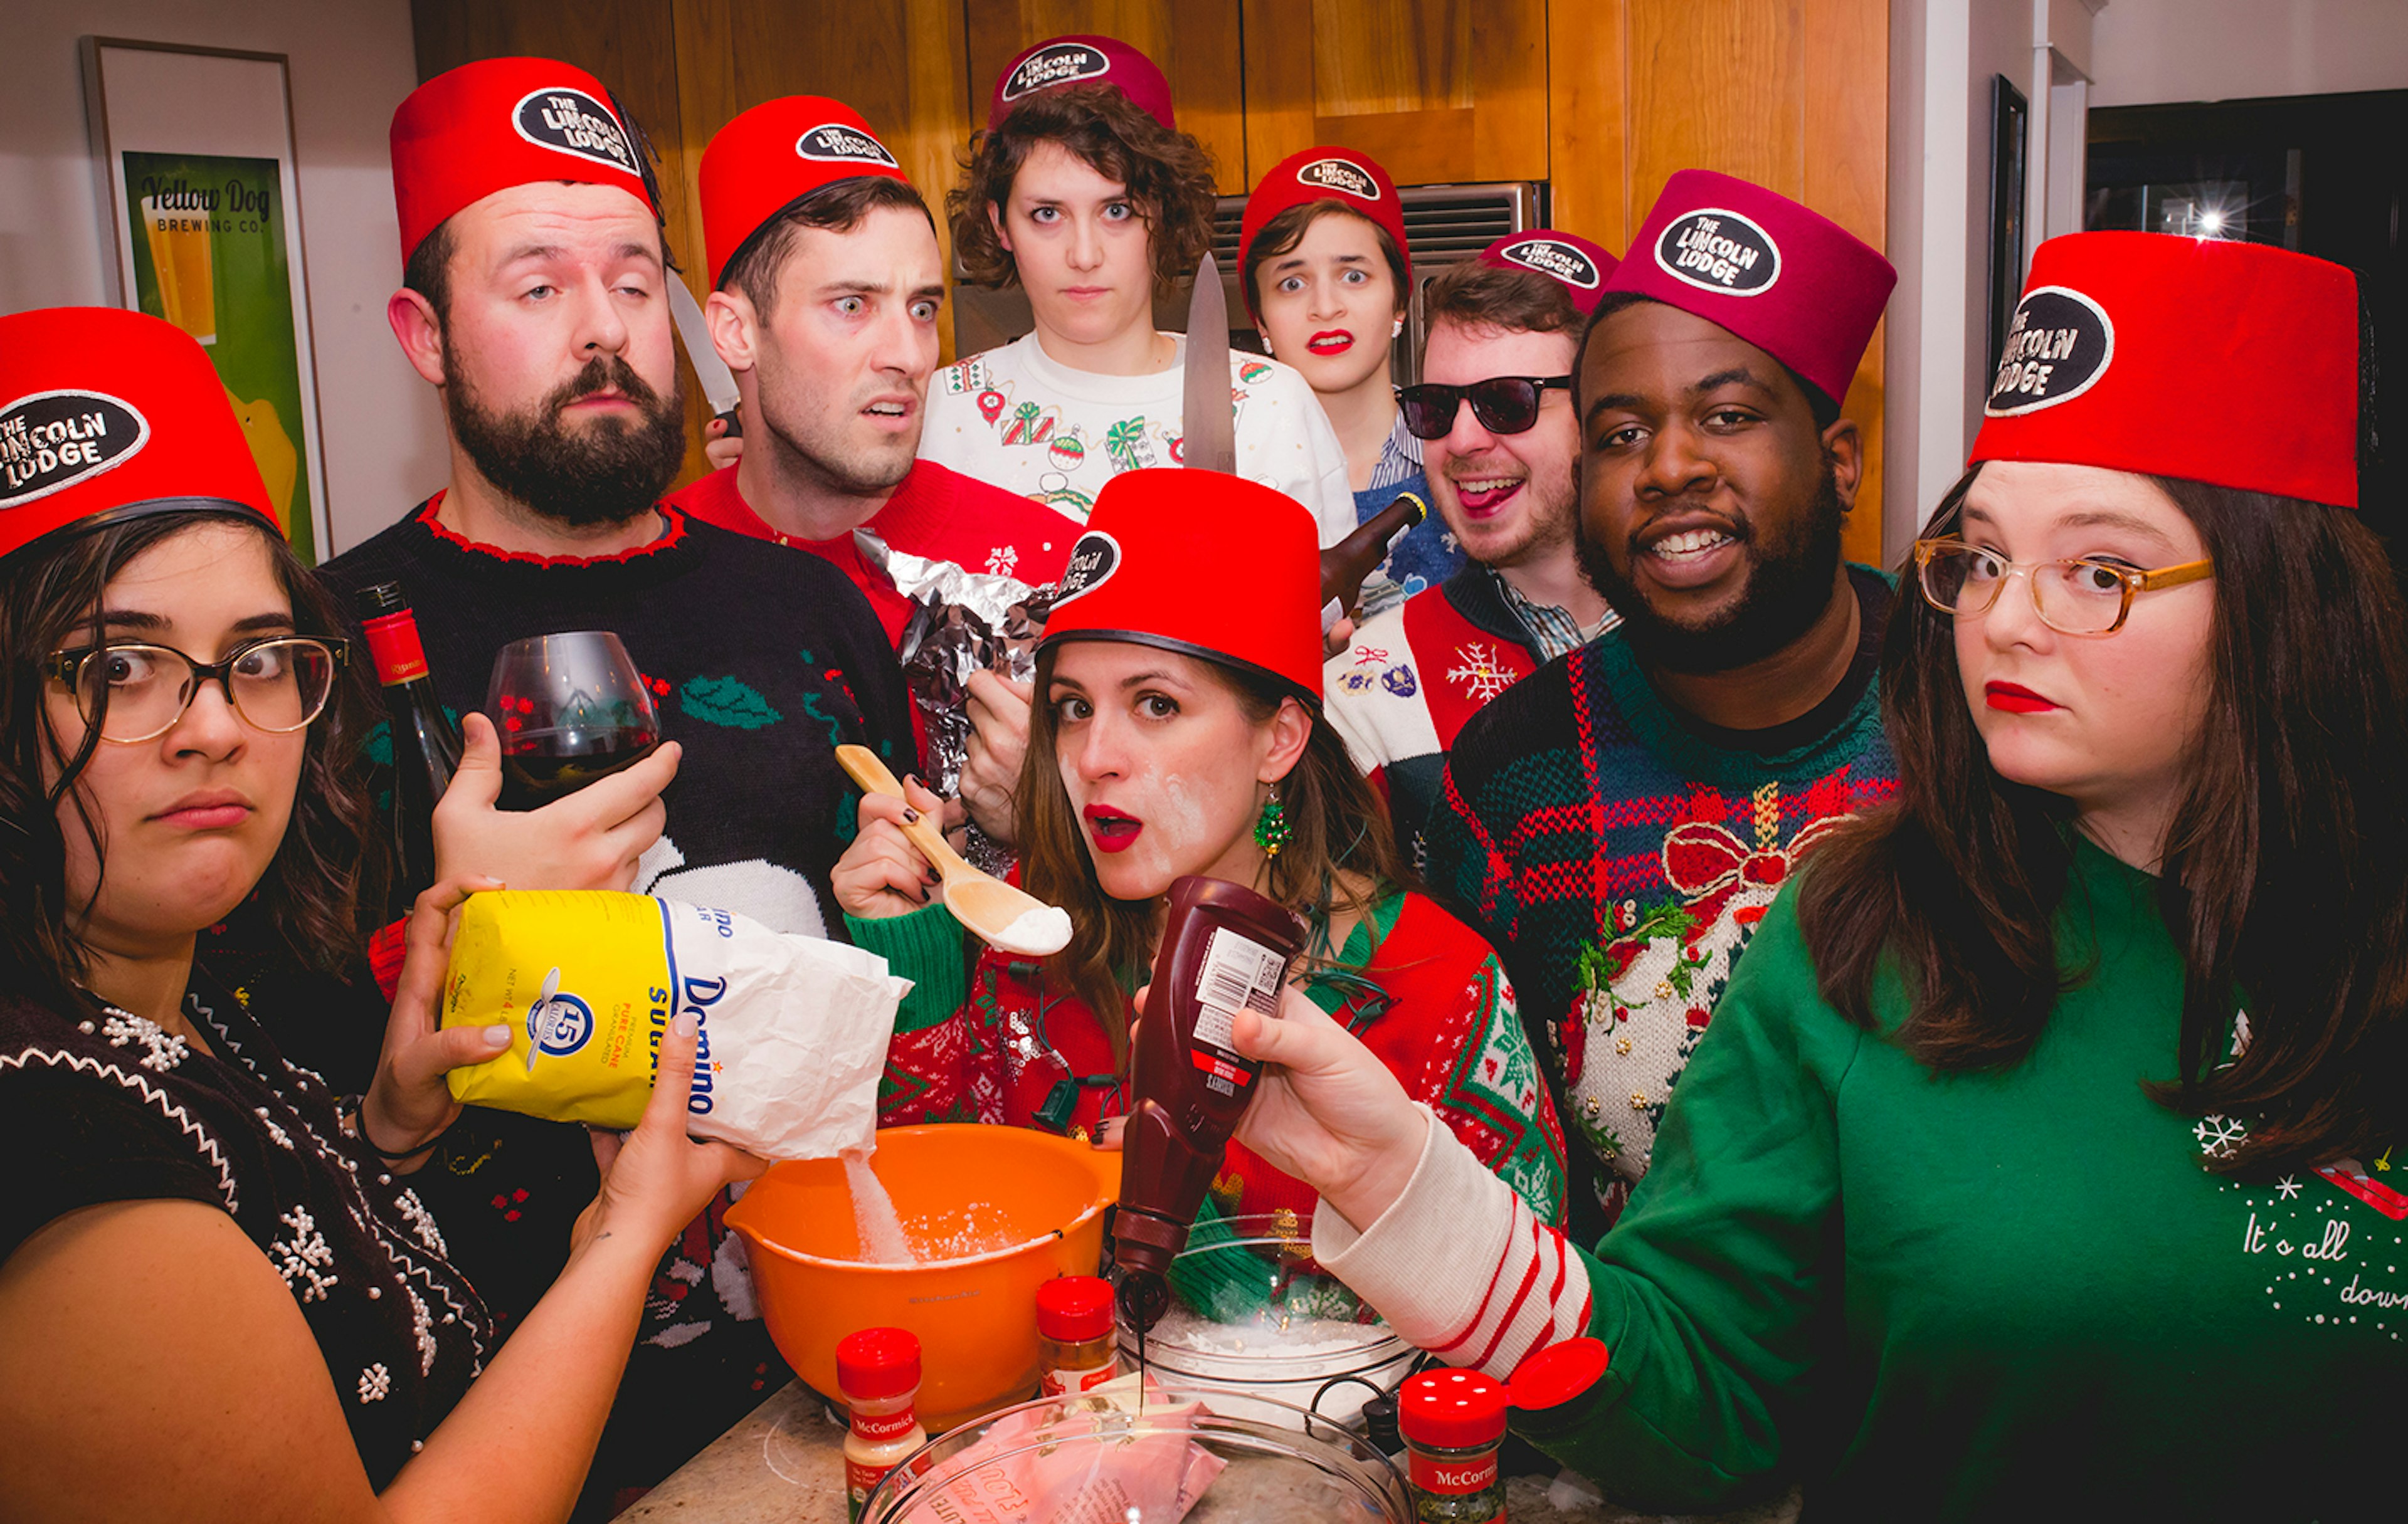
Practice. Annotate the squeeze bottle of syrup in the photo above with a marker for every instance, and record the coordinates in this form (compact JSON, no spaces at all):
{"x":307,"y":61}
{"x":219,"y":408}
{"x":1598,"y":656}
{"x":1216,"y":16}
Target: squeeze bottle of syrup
{"x":1223,"y":947}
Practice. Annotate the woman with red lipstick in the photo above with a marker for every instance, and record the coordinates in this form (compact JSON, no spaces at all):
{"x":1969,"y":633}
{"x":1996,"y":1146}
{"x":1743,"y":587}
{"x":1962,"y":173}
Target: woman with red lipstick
{"x":1172,"y":739}
{"x":2043,"y":1156}
{"x":1325,"y":274}
{"x":219,"y":1297}
{"x":1083,"y":192}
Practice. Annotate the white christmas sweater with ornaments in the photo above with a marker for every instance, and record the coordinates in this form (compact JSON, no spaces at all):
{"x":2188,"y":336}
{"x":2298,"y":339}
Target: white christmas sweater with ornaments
{"x":1983,"y":1294}
{"x":1019,"y":419}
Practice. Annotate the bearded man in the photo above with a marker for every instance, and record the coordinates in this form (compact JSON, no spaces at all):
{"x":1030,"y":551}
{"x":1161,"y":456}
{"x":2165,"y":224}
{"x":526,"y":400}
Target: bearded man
{"x":535,"y":299}
{"x":1617,"y":822}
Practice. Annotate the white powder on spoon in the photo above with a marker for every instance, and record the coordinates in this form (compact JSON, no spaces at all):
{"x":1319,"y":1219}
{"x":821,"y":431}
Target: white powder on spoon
{"x":1038,"y":932}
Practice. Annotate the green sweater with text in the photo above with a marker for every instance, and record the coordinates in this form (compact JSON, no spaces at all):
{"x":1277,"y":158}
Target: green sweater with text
{"x":2009,"y":1294}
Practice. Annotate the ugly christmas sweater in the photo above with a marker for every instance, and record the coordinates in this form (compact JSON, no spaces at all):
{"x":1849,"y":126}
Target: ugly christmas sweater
{"x":986,"y":1042}
{"x":1621,"y":856}
{"x":1017,"y":418}
{"x":2007,"y":1294}
{"x":1410,"y":681}
{"x":761,"y":660}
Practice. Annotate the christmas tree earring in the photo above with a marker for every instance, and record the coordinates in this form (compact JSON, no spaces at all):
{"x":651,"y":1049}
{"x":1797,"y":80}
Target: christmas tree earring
{"x":1271,"y":828}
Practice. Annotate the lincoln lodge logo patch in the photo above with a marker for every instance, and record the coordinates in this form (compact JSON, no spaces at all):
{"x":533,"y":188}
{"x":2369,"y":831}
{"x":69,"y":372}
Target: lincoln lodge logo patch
{"x":833,"y":142}
{"x":1066,"y":64}
{"x":1093,"y":561}
{"x":50,"y":440}
{"x":1720,"y":250}
{"x":571,"y":122}
{"x":2059,"y":344}
{"x":1554,"y":260}
{"x":1340,"y":175}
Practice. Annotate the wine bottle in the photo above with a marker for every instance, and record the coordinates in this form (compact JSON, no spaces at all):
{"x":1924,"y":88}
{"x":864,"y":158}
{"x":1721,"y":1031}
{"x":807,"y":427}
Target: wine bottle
{"x":425,"y":747}
{"x":1346,"y":565}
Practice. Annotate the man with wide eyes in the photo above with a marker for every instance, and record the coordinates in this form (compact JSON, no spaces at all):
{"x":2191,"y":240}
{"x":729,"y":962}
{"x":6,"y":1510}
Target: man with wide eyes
{"x":1617,"y":821}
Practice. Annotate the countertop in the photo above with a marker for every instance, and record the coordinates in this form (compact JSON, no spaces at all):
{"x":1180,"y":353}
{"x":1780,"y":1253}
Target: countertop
{"x":784,"y":1464}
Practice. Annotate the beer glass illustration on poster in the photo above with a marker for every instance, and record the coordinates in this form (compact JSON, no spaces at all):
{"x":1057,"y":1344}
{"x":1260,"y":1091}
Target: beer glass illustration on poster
{"x":209,"y":256}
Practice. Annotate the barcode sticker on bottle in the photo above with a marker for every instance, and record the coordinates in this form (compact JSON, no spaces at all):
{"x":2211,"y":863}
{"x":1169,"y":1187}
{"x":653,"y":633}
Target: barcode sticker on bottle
{"x":1237,"y":972}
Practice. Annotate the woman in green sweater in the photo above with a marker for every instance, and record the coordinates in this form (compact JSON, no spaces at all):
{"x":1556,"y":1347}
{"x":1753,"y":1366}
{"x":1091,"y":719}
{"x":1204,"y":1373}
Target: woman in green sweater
{"x":2037,"y":1159}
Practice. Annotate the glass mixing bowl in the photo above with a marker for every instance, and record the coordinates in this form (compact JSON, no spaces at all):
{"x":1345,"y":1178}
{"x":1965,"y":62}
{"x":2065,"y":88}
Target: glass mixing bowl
{"x":1259,"y":1330}
{"x":1060,"y":1458}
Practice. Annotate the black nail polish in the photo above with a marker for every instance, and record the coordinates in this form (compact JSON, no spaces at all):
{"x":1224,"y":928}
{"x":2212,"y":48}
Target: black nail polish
{"x":911,"y":816}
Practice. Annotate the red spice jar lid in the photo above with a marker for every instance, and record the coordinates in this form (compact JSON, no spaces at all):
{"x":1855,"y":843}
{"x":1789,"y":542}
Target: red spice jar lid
{"x":1073,"y":1309}
{"x":877,"y":1362}
{"x":1557,"y":1374}
{"x":1452,"y":1410}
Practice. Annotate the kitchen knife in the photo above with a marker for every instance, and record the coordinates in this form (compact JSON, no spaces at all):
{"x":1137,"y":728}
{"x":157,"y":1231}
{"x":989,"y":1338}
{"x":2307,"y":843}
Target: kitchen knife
{"x":718,"y":381}
{"x":1208,"y":412}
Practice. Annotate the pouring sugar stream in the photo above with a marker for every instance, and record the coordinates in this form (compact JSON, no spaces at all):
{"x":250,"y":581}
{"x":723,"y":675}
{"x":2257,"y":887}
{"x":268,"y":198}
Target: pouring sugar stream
{"x":1003,"y":914}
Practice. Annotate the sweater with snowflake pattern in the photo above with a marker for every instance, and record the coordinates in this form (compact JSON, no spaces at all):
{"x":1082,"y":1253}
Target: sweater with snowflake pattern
{"x":1621,"y":858}
{"x":97,"y":1105}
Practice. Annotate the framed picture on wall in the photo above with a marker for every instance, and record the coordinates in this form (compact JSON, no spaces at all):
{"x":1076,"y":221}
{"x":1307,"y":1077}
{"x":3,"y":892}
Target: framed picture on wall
{"x":194,"y":153}
{"x":2010,"y":125}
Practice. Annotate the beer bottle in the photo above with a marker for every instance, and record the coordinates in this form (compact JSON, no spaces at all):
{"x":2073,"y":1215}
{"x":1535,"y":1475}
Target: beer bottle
{"x":1346,"y":565}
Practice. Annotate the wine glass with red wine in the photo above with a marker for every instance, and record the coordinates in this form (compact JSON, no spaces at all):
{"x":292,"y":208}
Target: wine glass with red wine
{"x":570,"y":708}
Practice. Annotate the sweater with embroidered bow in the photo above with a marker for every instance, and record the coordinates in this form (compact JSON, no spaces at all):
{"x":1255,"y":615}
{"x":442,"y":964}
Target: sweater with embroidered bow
{"x":1620,"y":854}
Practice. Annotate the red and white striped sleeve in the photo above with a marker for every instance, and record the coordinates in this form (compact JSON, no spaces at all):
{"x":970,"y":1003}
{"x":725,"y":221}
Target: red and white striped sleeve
{"x":1459,"y":1265}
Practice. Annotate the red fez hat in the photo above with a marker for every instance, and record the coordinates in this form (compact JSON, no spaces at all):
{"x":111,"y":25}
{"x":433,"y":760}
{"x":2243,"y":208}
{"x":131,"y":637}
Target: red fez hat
{"x":1353,"y":180}
{"x":1790,"y":281}
{"x":1083,"y":61}
{"x":1581,"y":266}
{"x":1162,"y":551}
{"x":502,"y":122}
{"x":774,"y":155}
{"x":105,"y":414}
{"x":2120,"y":336}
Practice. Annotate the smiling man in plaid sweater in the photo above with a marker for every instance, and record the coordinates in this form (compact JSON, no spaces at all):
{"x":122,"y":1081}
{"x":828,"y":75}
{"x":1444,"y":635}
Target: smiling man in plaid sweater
{"x":1617,"y":821}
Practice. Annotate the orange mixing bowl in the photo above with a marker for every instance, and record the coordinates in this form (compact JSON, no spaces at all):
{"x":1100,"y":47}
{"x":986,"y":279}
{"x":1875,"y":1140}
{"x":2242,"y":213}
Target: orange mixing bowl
{"x":976,"y":1317}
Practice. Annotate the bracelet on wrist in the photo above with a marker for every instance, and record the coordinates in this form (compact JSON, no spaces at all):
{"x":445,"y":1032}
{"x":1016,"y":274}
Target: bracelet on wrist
{"x":354,"y":1111}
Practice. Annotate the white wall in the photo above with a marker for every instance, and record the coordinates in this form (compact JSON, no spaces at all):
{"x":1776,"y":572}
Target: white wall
{"x":351,"y":63}
{"x":2146,"y":51}
{"x":1943,"y":55}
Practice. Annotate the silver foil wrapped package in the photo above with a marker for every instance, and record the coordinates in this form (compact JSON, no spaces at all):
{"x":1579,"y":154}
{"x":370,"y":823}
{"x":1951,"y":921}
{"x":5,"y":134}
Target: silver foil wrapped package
{"x":963,"y":621}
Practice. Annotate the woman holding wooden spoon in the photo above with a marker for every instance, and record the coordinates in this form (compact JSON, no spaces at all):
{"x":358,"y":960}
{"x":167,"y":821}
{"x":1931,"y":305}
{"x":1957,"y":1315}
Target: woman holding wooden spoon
{"x":1179,"y":732}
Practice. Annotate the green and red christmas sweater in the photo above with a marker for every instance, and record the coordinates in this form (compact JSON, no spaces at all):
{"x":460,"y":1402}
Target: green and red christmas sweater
{"x":1620,"y":854}
{"x":981,"y":1039}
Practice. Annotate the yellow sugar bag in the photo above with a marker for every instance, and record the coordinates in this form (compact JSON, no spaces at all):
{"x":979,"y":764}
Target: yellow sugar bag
{"x":793,"y":1035}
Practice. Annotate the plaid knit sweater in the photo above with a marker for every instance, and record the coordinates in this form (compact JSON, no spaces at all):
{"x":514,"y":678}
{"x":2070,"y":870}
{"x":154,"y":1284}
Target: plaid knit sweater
{"x":1621,"y":860}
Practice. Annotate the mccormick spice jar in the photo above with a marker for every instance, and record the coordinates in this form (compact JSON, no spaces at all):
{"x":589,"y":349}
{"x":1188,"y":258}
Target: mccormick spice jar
{"x":1453,"y":1422}
{"x":878,"y":1371}
{"x":1075,"y":1346}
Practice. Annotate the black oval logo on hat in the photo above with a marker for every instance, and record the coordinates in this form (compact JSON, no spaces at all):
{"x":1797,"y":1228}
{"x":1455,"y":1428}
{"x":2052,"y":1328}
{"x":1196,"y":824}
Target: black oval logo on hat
{"x":1064,"y":63}
{"x":1555,"y":260}
{"x":1093,"y":561}
{"x":568,"y":120}
{"x":1719,"y":251}
{"x":833,"y":142}
{"x":1341,"y":175}
{"x":50,"y":440}
{"x":2059,"y":344}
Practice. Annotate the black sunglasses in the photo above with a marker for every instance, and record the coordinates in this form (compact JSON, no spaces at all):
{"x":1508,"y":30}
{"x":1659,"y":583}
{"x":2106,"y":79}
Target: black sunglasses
{"x":1502,"y":404}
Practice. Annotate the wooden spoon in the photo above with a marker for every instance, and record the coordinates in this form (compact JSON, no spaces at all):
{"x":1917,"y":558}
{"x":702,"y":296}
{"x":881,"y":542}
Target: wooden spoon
{"x":1008,"y":919}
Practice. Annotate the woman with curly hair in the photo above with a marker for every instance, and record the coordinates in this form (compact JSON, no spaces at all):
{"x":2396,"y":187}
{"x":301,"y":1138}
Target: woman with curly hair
{"x":1083,"y":192}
